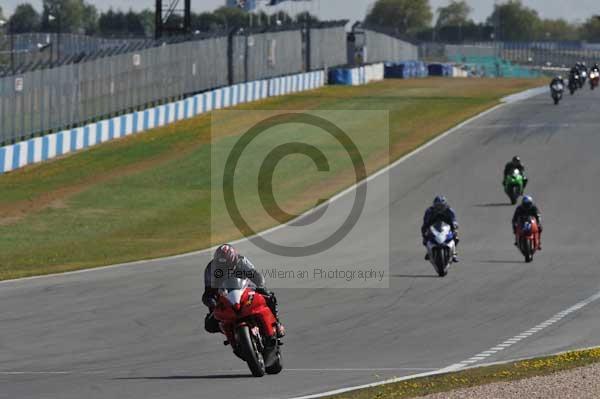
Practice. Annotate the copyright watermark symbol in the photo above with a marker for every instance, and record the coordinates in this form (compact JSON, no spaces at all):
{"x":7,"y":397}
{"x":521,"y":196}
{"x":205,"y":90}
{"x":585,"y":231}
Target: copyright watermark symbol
{"x":270,"y":168}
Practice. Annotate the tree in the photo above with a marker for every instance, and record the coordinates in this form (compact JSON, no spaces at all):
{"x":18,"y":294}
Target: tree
{"x":232,"y":17}
{"x":113,"y":23}
{"x":135,"y":25}
{"x":514,"y":22}
{"x":70,"y":15}
{"x":454,"y":14}
{"x":206,"y":22}
{"x":25,"y":19}
{"x":262,"y":19}
{"x":90,"y":19}
{"x":283,"y":18}
{"x":118,"y":23}
{"x":557,"y":29}
{"x":590,"y":30}
{"x":147,"y":19}
{"x":306,"y":17}
{"x":403,"y":16}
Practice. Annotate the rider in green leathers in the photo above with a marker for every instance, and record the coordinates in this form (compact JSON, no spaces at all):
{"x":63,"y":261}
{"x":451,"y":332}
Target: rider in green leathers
{"x":511,"y":166}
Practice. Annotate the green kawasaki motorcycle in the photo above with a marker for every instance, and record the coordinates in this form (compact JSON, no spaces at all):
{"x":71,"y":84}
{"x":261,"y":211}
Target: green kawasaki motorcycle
{"x":513,"y":186}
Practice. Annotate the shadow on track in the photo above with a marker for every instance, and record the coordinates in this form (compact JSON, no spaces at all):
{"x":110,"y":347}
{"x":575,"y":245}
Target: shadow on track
{"x":190,"y":377}
{"x":494,"y":205}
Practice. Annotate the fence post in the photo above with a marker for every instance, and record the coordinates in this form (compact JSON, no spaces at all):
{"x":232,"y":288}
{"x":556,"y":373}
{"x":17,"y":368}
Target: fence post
{"x":246,"y":56}
{"x":230,"y":57}
{"x":308,"y":46}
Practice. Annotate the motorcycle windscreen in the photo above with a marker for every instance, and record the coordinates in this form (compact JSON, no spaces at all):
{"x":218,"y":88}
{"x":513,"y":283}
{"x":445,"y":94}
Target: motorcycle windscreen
{"x":233,"y":289}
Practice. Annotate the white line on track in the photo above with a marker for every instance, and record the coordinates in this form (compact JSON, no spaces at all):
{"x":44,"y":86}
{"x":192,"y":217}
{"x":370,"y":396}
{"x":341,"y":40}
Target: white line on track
{"x":518,"y":338}
{"x":375,"y":384}
{"x":532,"y":126}
{"x":471,"y":361}
{"x":367,"y":369}
{"x":35,"y":373}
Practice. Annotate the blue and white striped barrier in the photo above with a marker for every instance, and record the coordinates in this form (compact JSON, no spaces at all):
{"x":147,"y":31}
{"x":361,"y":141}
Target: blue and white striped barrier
{"x":41,"y":149}
{"x":357,"y":76}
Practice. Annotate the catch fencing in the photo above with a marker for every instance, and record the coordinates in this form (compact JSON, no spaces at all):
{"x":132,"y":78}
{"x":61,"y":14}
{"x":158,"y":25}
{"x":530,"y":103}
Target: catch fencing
{"x":49,"y":99}
{"x":39,"y":149}
{"x":327,"y":47}
{"x":382,"y":47}
{"x":32,"y":51}
{"x":538,"y":54}
{"x":46,"y":100}
{"x":259,"y":56}
{"x":69,"y":43}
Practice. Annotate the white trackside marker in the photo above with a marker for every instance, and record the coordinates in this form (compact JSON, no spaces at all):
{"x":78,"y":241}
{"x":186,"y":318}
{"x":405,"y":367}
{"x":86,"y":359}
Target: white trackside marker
{"x":518,"y":338}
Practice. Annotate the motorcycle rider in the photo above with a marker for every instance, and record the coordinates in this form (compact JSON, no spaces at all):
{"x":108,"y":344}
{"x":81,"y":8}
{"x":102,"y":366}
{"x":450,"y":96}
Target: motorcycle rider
{"x":440,"y":211}
{"x":583,"y":72}
{"x":227,"y":263}
{"x":574,"y":74}
{"x":574,"y":70}
{"x":526,"y":209}
{"x":558,"y":79}
{"x":595,"y":69}
{"x":515,"y":163}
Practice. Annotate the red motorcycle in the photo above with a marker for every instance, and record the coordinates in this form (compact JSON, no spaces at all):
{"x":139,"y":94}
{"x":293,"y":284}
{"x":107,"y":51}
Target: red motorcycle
{"x":594,"y":78}
{"x":249,"y":325}
{"x":528,"y":237}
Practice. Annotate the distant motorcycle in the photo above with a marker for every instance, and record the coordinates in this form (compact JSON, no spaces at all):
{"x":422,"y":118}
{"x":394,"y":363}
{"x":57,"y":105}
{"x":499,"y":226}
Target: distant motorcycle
{"x":514,"y":186}
{"x":583,"y":77}
{"x":528,"y":238}
{"x":594,"y":78}
{"x":574,"y":83}
{"x":557,"y":92}
{"x":441,"y":245}
{"x":249,"y":325}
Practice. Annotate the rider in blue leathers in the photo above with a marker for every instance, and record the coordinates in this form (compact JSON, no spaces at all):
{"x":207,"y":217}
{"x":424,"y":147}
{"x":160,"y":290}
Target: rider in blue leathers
{"x":440,"y":211}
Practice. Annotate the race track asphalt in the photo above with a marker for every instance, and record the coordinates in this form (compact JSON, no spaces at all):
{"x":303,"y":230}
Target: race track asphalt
{"x":137,"y":331}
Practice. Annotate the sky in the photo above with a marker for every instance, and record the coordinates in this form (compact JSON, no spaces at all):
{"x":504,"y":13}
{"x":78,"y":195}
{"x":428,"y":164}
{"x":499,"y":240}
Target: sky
{"x":356,"y":9}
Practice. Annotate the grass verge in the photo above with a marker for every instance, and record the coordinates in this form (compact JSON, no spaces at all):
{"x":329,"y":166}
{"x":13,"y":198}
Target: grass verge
{"x":478,"y":376}
{"x":148,"y":195}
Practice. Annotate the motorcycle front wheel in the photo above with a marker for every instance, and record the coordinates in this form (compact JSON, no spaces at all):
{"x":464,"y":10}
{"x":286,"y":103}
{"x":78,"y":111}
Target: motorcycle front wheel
{"x":514,"y":194}
{"x":527,"y":250}
{"x":441,"y":260}
{"x":249,"y":350}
